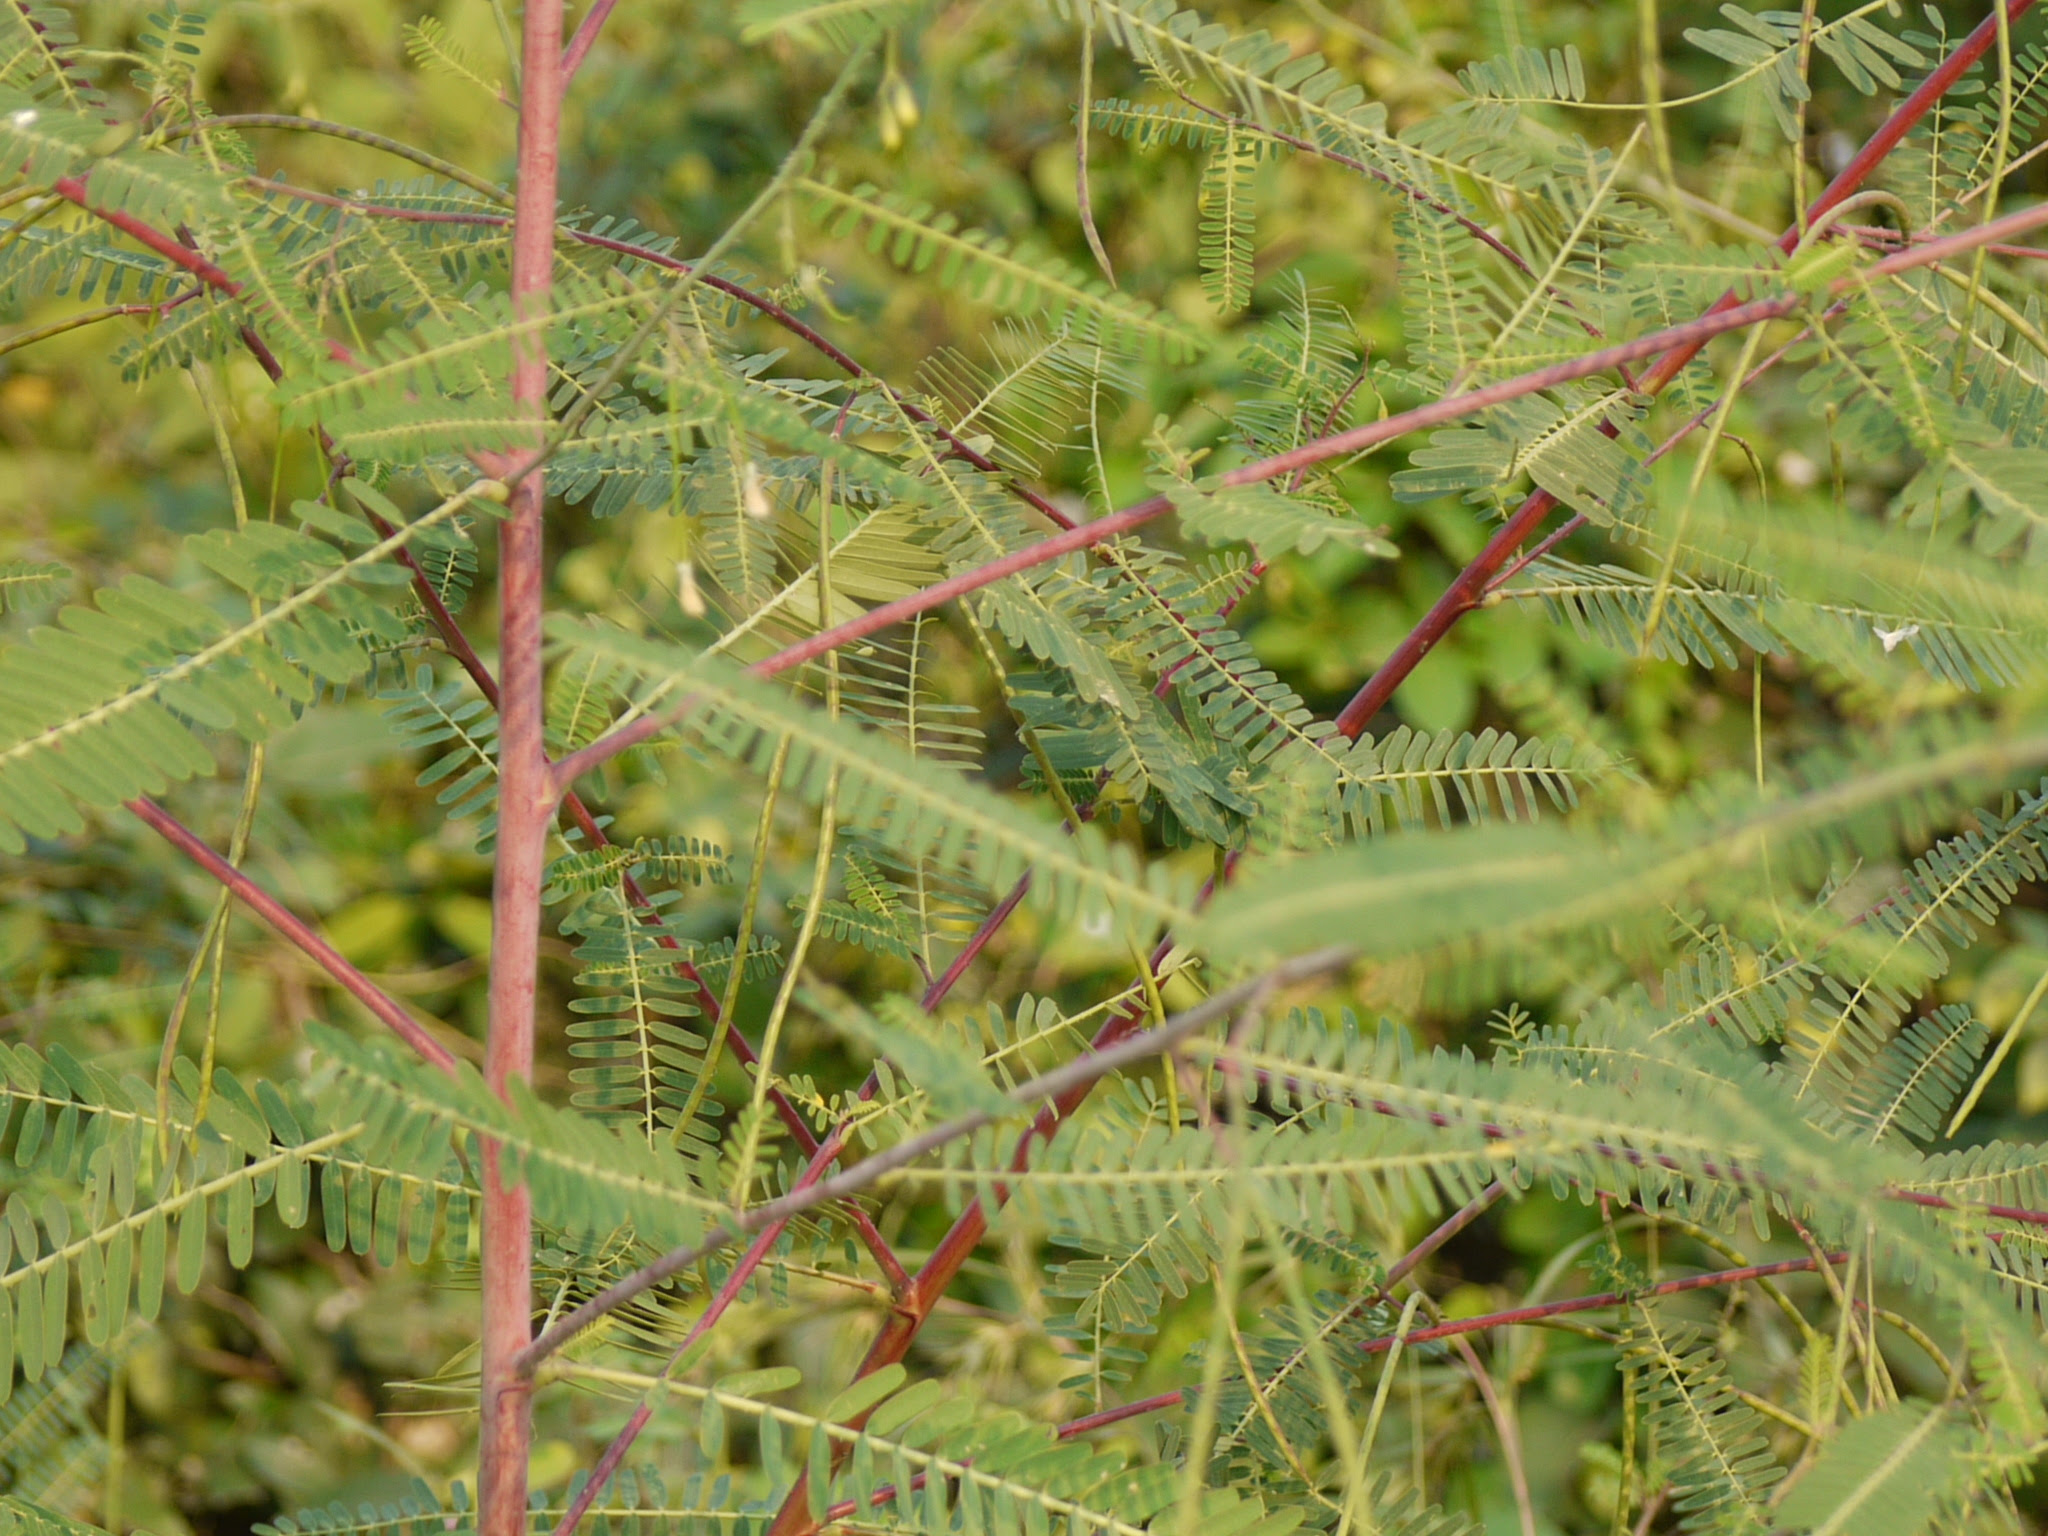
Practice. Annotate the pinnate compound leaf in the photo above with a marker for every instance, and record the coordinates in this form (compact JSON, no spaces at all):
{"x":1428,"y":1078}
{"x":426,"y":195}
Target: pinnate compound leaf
{"x":1266,"y":518}
{"x":1883,"y":1475}
{"x":989,"y":268}
{"x":916,"y":807}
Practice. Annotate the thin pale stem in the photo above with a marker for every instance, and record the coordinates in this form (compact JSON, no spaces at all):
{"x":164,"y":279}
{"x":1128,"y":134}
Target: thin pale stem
{"x":291,"y":123}
{"x":29,"y":338}
{"x":1504,"y":1430}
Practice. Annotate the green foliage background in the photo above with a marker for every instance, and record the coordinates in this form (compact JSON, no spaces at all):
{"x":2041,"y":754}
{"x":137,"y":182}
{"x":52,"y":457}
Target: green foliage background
{"x":297,"y":1384}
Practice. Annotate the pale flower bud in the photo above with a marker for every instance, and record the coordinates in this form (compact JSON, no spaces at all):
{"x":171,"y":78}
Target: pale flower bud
{"x":687,"y":594}
{"x":753,"y":495}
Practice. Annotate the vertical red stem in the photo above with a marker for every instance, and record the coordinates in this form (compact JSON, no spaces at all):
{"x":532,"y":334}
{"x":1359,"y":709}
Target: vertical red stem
{"x":526,"y":802}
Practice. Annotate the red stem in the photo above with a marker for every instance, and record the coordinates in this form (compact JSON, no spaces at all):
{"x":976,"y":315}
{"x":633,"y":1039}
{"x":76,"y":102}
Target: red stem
{"x":763,"y":1244}
{"x":315,"y":948}
{"x":72,"y":190}
{"x":823,"y":1155}
{"x":537,"y":152}
{"x":466,"y":655}
{"x":1548,"y":1309}
{"x":1465,"y":590}
{"x":921,"y":1299}
{"x":586,"y":34}
{"x":764,"y":305}
{"x":1087,"y":535}
{"x":1109,"y":1416}
{"x":480,"y":674}
{"x":1699,"y":418}
{"x":999,"y":915}
{"x":527,"y":800}
{"x":1166,"y":1400}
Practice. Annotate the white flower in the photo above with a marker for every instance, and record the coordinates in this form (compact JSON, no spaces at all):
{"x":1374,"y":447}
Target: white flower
{"x":23,"y":118}
{"x":1797,"y":470}
{"x":688,"y":595}
{"x":1890,"y":638}
{"x":753,"y":496}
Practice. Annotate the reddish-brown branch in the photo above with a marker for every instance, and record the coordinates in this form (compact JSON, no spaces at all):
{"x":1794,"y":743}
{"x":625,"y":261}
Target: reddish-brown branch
{"x":936,"y":993}
{"x":1051,"y":1087}
{"x":1037,"y":500}
{"x":1698,"y":419}
{"x":1109,"y":1416}
{"x":1549,"y":1309}
{"x":527,"y":801}
{"x":760,"y":303}
{"x":917,"y":1304}
{"x":466,"y":655}
{"x":1464,"y":591}
{"x":1456,"y":1328}
{"x":1877,"y":235}
{"x":1442,"y":1233}
{"x":72,"y":190}
{"x":1467,"y":588}
{"x":758,"y":1251}
{"x":586,"y":34}
{"x":275,"y":913}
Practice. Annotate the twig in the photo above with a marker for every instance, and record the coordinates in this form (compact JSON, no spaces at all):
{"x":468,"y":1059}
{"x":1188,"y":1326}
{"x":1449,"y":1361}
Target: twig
{"x":274,"y":912}
{"x":1571,"y":1304}
{"x":1503,"y":1430}
{"x":1462,"y":595}
{"x":20,"y":339}
{"x":1449,"y":1228}
{"x":292,"y":123}
{"x":1463,"y":592}
{"x":1073,"y":1077}
{"x":72,"y":190}
{"x":901,"y":1328}
{"x":586,"y":34}
{"x":728,"y":1293}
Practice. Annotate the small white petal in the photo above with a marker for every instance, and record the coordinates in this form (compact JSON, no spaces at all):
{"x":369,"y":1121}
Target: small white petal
{"x":753,"y":495}
{"x":1096,"y":925}
{"x":23,"y":118}
{"x":687,"y":593}
{"x":1797,"y":470}
{"x":1890,"y":638}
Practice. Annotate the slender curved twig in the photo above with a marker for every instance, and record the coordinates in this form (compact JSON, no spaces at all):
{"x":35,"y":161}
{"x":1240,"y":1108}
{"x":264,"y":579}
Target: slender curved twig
{"x":274,"y":912}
